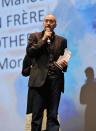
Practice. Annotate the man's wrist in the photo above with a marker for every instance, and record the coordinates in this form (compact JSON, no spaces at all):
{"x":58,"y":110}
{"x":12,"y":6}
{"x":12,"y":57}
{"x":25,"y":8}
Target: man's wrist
{"x":44,"y":38}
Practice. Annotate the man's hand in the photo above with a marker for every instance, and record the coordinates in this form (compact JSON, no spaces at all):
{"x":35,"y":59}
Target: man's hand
{"x":62,"y":63}
{"x":47,"y":34}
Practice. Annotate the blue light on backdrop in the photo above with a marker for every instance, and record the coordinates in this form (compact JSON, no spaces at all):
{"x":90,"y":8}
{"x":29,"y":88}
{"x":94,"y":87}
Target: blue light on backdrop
{"x":76,"y":20}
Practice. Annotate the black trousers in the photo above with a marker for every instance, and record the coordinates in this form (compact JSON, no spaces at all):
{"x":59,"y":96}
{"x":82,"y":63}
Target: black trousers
{"x":47,"y":96}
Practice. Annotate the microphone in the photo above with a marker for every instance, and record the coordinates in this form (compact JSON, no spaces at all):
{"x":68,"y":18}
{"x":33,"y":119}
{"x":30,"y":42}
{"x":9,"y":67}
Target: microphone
{"x":48,"y":29}
{"x":48,"y":41}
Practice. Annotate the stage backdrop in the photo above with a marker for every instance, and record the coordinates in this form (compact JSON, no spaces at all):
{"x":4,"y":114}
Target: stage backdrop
{"x":76,"y":20}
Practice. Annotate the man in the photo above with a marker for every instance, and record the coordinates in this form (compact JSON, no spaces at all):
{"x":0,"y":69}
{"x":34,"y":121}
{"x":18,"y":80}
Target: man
{"x":46,"y":81}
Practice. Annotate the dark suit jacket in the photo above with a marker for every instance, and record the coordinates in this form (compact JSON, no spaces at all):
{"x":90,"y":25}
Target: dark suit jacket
{"x":37,"y":50}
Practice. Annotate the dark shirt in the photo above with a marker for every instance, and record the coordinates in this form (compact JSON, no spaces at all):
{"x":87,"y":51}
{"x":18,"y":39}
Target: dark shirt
{"x":53,"y":71}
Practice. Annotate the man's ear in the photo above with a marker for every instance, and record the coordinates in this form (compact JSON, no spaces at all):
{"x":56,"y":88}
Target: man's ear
{"x":55,"y":25}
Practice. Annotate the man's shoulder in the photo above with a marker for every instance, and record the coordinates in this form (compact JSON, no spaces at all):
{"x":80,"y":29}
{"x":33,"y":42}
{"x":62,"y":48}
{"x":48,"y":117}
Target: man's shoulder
{"x":35,"y":33}
{"x":60,"y":37}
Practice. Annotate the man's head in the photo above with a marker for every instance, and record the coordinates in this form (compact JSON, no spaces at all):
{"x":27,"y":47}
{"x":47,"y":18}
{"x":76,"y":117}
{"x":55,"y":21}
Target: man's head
{"x":49,"y":22}
{"x":89,"y":73}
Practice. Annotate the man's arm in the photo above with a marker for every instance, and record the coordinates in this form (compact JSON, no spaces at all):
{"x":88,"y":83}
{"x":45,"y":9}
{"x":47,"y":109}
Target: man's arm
{"x":34,"y":46}
{"x":26,"y":66}
{"x":64,"y":63}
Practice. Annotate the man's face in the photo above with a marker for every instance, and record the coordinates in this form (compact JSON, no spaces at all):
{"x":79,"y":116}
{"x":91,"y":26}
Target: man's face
{"x":49,"y":22}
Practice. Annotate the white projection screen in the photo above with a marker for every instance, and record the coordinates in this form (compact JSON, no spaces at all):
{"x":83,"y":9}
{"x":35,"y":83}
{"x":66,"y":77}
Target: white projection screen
{"x":76,"y":21}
